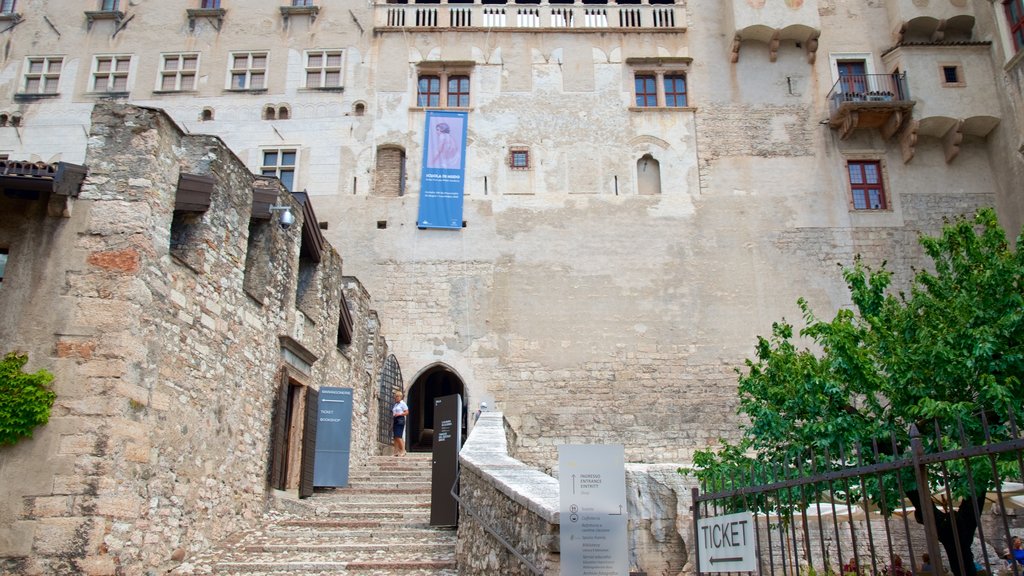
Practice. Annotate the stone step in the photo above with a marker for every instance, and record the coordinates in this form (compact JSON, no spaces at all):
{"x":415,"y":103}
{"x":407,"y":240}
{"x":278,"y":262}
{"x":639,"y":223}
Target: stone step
{"x":433,"y":548}
{"x":415,"y":499}
{"x":345,"y":523}
{"x":385,"y":537}
{"x":322,"y":568}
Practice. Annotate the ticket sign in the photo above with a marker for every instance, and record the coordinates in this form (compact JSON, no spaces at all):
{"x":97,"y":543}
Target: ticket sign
{"x":726,"y":543}
{"x":592,"y":510}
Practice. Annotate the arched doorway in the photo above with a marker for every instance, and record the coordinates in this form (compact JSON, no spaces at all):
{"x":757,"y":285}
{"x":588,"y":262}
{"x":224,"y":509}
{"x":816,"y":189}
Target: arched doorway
{"x":436,"y":381}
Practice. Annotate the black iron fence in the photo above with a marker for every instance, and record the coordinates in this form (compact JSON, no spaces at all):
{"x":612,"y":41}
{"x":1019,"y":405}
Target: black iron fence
{"x":927,"y":504}
{"x":390,"y":382}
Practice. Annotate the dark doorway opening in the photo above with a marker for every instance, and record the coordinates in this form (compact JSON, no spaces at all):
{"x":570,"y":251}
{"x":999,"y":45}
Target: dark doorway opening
{"x":436,"y":381}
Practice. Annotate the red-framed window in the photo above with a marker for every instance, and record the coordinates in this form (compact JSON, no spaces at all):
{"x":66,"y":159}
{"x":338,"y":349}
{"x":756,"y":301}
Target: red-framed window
{"x":458,"y":91}
{"x":646,"y":90}
{"x":429,"y":91}
{"x":1015,"y":16}
{"x":675,"y":90}
{"x":519,"y":159}
{"x":866,"y":185}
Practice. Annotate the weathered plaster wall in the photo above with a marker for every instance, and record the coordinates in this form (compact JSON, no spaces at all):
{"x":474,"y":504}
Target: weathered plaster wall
{"x":166,"y":367}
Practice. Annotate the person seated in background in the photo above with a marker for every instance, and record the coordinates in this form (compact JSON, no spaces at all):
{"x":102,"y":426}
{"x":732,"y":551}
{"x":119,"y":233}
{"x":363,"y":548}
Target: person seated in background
{"x":926,"y":563}
{"x":1016,"y":552}
{"x":851,"y":566}
{"x":897,"y":568}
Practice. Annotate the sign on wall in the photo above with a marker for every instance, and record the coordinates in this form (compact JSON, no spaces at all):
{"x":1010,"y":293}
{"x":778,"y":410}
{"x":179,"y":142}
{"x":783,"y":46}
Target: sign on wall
{"x":592,"y":510}
{"x":444,"y":170}
{"x":333,"y":437}
{"x":726,"y":543}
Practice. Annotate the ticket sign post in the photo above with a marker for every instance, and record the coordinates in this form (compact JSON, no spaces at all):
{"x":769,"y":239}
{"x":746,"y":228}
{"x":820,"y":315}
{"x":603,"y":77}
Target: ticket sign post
{"x":592,"y":510}
{"x":333,"y":437}
{"x":726,"y":543}
{"x":444,"y":510}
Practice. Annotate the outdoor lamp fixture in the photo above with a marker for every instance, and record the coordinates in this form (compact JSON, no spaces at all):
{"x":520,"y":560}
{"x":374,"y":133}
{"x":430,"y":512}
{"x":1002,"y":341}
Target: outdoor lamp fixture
{"x":287,"y":218}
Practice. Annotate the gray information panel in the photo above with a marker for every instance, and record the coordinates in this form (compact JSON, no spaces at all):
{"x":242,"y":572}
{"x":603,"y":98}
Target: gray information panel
{"x":333,"y":437}
{"x":444,"y":510}
{"x":592,"y":506}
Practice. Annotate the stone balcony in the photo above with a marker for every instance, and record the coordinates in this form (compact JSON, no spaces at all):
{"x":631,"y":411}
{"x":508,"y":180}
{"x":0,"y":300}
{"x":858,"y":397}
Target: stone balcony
{"x":773,"y":21}
{"x":532,"y":17}
{"x":932,"y":20}
{"x":955,"y":93}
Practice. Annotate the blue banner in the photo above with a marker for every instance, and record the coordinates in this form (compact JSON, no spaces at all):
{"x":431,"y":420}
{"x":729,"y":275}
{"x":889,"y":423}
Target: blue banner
{"x":444,"y":170}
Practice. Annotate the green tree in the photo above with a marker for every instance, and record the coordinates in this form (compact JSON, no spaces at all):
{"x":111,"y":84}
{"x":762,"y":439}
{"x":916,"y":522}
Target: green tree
{"x":946,"y":356}
{"x":25,"y":399}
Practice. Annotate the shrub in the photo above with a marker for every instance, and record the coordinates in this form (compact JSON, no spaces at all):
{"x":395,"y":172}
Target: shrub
{"x":25,"y":399}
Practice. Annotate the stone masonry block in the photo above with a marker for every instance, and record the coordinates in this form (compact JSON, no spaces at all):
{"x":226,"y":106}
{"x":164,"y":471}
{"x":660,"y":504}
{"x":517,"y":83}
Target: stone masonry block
{"x":47,"y":506}
{"x":78,"y":444}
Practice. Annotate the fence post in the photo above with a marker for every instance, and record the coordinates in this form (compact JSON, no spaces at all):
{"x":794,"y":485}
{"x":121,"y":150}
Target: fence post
{"x":926,"y":505}
{"x":695,"y":506}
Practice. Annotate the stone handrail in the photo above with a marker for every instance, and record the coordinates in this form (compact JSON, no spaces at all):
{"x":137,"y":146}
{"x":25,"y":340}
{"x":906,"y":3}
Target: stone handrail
{"x":540,"y":17}
{"x":502,"y":494}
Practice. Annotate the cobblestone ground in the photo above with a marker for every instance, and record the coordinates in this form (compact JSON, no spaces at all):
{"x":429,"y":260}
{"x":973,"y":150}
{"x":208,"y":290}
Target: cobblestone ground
{"x":378,"y":526}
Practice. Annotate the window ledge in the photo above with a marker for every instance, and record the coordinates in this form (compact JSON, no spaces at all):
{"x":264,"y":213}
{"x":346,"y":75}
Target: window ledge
{"x":247,"y":90}
{"x":31,"y":97}
{"x":167,"y":92}
{"x":10,"y":17}
{"x":870,"y":210}
{"x":109,"y":94}
{"x":662,"y":108}
{"x":104,"y":15}
{"x":323,"y":89}
{"x":450,"y":109}
{"x":1015,"y":61}
{"x":311,"y":11}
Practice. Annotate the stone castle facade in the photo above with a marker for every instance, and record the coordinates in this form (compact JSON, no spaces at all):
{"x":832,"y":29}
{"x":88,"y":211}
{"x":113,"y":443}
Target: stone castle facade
{"x":649,"y":184}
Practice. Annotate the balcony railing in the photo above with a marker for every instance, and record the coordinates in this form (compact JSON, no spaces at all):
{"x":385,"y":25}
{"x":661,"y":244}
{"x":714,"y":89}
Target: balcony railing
{"x":868,"y":88}
{"x":646,"y":17}
{"x":869,"y":101}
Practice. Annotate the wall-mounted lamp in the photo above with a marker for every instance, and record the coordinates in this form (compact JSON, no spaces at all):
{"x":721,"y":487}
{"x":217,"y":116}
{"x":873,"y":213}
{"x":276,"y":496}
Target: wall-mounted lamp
{"x":287,"y":218}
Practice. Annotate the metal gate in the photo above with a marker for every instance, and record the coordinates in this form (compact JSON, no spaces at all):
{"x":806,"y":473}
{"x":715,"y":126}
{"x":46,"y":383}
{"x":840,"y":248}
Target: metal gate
{"x":390,"y":382}
{"x":891,"y":509}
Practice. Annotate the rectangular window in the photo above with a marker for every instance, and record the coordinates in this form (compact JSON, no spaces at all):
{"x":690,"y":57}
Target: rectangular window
{"x":110,"y":73}
{"x":1015,"y":18}
{"x":646,"y":91}
{"x":429,"y":92}
{"x":302,"y":3}
{"x":3,"y":263}
{"x":178,"y":72}
{"x":441,"y":88}
{"x":323,"y":68}
{"x":675,"y":90}
{"x":280,"y":162}
{"x":458,"y":91}
{"x":519,"y":159}
{"x":7,"y":6}
{"x":248,"y":70}
{"x":109,"y":5}
{"x":866,"y":185}
{"x":209,"y":4}
{"x":43,"y":74}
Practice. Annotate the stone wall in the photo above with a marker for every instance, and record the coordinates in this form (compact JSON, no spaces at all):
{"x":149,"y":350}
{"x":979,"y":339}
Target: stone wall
{"x":505,"y":496}
{"x":166,"y":365}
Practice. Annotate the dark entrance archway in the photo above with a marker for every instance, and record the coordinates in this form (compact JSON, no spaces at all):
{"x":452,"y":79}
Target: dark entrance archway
{"x":436,"y":381}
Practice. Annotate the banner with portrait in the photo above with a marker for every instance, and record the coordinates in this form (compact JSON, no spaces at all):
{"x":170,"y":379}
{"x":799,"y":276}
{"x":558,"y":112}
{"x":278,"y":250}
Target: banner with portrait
{"x":444,"y":170}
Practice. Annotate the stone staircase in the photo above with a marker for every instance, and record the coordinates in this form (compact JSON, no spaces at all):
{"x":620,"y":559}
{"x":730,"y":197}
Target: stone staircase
{"x":378,"y":526}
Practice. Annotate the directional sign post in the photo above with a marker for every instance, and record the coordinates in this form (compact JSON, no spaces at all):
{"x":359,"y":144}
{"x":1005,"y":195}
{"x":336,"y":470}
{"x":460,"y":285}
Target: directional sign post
{"x":726,"y":543}
{"x":592,"y":494}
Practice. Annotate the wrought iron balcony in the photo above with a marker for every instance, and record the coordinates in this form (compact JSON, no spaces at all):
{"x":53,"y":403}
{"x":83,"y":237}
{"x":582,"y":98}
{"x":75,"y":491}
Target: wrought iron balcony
{"x":869,"y":101}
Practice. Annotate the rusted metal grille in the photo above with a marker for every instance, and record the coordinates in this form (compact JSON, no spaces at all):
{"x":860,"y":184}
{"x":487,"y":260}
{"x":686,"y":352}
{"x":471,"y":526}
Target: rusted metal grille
{"x":865,"y":510}
{"x":390,"y":382}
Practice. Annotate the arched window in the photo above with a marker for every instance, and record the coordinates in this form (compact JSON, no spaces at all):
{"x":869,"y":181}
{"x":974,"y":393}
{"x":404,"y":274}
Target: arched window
{"x":284,"y":113}
{"x":648,"y":176}
{"x":207,"y":114}
{"x":359,"y":109}
{"x":269,"y":113}
{"x":390,"y":382}
{"x":390,"y":171}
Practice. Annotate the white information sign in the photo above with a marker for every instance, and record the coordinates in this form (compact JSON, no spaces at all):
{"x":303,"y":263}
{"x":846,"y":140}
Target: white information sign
{"x":726,"y":543}
{"x":592,"y":494}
